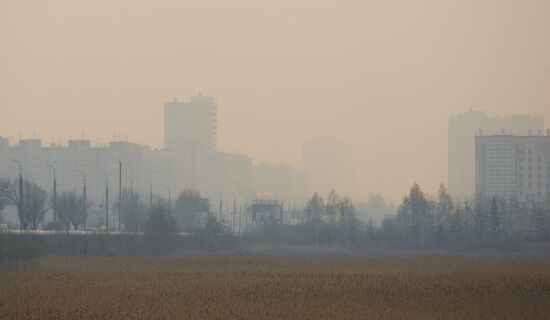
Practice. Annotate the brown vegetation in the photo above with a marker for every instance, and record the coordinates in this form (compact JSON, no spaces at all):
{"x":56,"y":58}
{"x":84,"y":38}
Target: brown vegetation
{"x":244,"y":287}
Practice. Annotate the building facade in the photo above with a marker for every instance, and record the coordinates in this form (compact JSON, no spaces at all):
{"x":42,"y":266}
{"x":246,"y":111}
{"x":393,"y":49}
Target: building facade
{"x":279,"y":181}
{"x":461,"y":143}
{"x":191,"y":123}
{"x":513,"y":168}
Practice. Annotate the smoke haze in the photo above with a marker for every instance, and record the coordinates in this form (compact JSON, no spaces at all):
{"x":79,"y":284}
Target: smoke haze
{"x":382,"y":76}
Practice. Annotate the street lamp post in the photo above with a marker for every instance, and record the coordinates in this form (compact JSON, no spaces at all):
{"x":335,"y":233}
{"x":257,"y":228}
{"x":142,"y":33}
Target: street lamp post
{"x":150,"y":195}
{"x":83,"y":197}
{"x":169,"y":201}
{"x":234,"y":221}
{"x":54,"y":204}
{"x":221,"y":204}
{"x":106,"y":202}
{"x":207,"y":197}
{"x":119,"y":194}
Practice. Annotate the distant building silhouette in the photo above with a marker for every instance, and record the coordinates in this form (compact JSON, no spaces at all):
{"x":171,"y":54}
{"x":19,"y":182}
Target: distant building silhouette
{"x":189,"y":161}
{"x":191,"y":123}
{"x":461,"y":143}
{"x":328,"y":164}
{"x":279,"y":182}
{"x":4,"y":157}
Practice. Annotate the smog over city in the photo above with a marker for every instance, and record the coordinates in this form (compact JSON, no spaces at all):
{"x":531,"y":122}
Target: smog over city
{"x":274,"y":159}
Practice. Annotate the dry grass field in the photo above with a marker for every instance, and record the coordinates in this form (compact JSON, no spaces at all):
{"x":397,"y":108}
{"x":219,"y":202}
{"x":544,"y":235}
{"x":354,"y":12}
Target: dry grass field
{"x":244,"y":287}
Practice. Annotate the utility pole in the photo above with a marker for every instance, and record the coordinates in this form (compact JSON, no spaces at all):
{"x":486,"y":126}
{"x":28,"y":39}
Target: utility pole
{"x":20,"y":191}
{"x":107,"y":205}
{"x":467,"y":211}
{"x":240,"y":217}
{"x":84,"y":198}
{"x":130,"y":197}
{"x":169,"y":202}
{"x":54,"y":204}
{"x":151,"y":196}
{"x":85,"y":202}
{"x":106,"y":202}
{"x":119,"y":195}
{"x":234,"y":215}
{"x":221,"y":203}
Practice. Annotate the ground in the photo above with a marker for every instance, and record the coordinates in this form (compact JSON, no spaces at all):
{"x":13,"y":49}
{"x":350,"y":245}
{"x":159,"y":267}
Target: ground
{"x":253,"y":287}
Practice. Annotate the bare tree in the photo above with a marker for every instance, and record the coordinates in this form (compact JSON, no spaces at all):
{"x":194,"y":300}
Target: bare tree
{"x":5,"y":186}
{"x":30,"y":200}
{"x":443,"y":211}
{"x":67,"y":204}
{"x":71,"y":209}
{"x":134,"y":211}
{"x":314,"y":211}
{"x":346,"y":219}
{"x":332,"y":209}
{"x":36,"y":198}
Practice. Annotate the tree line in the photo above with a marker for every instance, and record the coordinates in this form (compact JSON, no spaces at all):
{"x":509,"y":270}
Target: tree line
{"x":422,"y":220}
{"x":189,"y":213}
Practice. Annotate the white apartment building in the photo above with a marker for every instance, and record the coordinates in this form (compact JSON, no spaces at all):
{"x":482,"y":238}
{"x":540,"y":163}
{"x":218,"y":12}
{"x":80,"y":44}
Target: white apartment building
{"x":461,"y":143}
{"x":513,"y":167}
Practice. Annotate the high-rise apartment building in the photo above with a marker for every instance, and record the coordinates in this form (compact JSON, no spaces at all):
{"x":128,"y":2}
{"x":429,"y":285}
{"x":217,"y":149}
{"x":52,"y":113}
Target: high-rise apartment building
{"x":191,"y":123}
{"x":513,"y":167}
{"x":462,"y":131}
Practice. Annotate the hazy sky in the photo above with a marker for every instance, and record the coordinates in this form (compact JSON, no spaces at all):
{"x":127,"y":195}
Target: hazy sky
{"x":383,"y":76}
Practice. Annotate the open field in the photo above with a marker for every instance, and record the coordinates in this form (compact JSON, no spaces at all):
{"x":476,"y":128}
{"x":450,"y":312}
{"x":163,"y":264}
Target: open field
{"x":248,"y":287}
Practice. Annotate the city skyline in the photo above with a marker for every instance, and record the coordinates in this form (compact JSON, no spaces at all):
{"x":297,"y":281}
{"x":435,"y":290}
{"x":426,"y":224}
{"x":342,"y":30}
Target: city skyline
{"x":318,"y":185}
{"x":382,"y":76}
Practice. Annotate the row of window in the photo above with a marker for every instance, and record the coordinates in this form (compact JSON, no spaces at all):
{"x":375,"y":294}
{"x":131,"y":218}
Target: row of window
{"x":530,"y":186}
